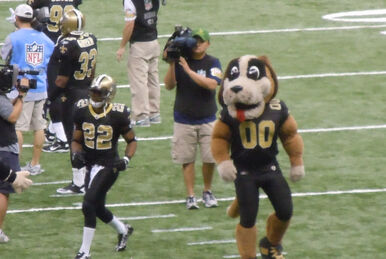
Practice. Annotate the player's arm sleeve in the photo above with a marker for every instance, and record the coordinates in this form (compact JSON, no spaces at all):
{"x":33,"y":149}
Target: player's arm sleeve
{"x":77,"y":119}
{"x":35,"y":4}
{"x":284,"y":112}
{"x":125,"y":121}
{"x":65,"y":60}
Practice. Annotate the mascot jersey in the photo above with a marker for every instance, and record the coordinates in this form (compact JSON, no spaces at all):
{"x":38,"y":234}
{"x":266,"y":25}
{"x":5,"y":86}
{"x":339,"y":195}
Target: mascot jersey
{"x":254,"y":142}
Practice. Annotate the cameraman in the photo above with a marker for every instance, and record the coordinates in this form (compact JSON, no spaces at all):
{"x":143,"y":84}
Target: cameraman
{"x":9,"y":149}
{"x":196,"y":78}
{"x":30,"y":50}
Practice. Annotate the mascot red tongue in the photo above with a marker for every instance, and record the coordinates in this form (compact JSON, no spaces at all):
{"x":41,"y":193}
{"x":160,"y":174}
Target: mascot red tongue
{"x":240,"y":115}
{"x":250,"y":123}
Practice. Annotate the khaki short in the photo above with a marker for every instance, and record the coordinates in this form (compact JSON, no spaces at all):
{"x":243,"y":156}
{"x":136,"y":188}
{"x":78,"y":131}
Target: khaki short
{"x":185,"y":140}
{"x":31,"y":117}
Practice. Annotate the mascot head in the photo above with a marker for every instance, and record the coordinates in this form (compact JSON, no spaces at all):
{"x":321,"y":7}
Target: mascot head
{"x":249,"y":83}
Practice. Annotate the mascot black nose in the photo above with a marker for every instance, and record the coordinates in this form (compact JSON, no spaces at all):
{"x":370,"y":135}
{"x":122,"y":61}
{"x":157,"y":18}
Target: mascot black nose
{"x":237,"y":88}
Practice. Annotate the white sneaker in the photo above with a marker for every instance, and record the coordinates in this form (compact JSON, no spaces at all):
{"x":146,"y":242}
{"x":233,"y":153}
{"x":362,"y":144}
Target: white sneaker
{"x":209,"y":200}
{"x":145,"y":122}
{"x":3,"y":237}
{"x":191,"y":203}
{"x":34,"y":170}
{"x":155,"y":119}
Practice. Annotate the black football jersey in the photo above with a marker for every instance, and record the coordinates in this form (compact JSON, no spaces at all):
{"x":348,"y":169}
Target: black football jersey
{"x":101,"y":131}
{"x":56,"y":8}
{"x":254,"y":142}
{"x":77,"y":56}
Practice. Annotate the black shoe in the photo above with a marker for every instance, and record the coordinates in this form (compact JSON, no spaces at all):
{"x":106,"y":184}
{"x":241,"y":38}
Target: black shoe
{"x":82,"y":255}
{"x":269,"y":251}
{"x":71,"y":189}
{"x":122,"y":238}
{"x":57,"y":146}
{"x":49,"y":136}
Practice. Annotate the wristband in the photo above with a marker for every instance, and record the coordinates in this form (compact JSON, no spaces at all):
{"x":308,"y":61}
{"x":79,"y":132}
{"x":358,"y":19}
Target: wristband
{"x":11,"y":177}
{"x":127,"y":160}
{"x":20,"y":97}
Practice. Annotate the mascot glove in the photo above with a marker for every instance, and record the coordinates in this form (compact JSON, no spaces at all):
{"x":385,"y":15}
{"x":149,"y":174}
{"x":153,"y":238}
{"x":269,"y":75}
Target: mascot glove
{"x":297,"y":173}
{"x":21,"y":182}
{"x":227,"y":170}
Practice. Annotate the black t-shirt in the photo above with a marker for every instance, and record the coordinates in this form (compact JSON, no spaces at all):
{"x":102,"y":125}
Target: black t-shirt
{"x":193,"y":100}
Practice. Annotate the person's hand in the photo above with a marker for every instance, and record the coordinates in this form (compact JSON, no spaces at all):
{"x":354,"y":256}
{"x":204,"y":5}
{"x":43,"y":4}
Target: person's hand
{"x":22,"y":181}
{"x":120,"y":53}
{"x":184,"y":64}
{"x":121,"y":164}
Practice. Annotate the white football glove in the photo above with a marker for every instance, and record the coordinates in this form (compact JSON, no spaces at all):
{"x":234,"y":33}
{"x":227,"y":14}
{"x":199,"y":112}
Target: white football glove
{"x":21,"y":182}
{"x":12,"y":18}
{"x":227,"y":170}
{"x":297,"y":173}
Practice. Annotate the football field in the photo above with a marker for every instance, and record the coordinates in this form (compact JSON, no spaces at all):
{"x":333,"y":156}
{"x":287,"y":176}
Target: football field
{"x":330,"y":58}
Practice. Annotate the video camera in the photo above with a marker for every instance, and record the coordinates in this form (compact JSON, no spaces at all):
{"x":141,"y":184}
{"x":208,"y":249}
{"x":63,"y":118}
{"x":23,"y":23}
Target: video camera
{"x":179,"y":44}
{"x":8,"y":78}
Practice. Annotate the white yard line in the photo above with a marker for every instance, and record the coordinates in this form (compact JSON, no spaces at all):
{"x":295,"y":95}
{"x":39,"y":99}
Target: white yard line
{"x":320,"y":130}
{"x":212,"y":242}
{"x":153,"y":203}
{"x":50,"y":183}
{"x":180,"y":229}
{"x":286,"y":30}
{"x":323,"y":75}
{"x":148,"y":217}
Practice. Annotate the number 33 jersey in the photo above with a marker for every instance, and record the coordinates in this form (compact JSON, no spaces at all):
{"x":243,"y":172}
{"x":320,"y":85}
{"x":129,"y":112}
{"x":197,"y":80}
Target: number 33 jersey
{"x":101,"y":131}
{"x":76,"y":54}
{"x":254,"y":142}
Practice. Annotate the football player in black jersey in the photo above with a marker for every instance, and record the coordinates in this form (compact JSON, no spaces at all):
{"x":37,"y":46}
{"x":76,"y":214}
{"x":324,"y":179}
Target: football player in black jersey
{"x":76,"y":53}
{"x":55,"y":11}
{"x":47,"y":18}
{"x":98,"y":125}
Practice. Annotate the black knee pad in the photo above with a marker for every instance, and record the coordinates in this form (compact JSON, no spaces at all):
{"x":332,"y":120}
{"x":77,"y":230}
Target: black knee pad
{"x":284,"y":215}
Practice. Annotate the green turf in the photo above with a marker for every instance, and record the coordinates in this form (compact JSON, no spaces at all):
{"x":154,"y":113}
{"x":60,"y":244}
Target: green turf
{"x":323,"y":227}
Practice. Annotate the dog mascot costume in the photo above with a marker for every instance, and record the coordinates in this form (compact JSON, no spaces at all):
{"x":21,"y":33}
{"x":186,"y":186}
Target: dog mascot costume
{"x":249,"y":125}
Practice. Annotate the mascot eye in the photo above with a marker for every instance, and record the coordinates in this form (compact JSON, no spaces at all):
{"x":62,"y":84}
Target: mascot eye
{"x":254,"y":72}
{"x":234,"y":73}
